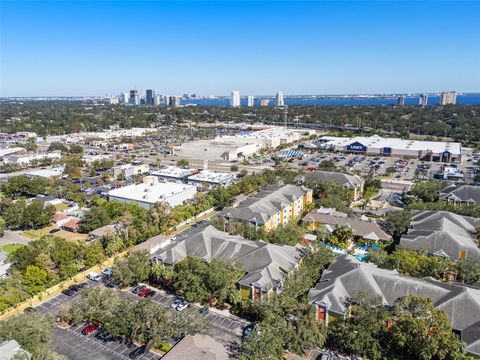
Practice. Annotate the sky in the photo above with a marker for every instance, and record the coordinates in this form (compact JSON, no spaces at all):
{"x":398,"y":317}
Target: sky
{"x":82,"y":48}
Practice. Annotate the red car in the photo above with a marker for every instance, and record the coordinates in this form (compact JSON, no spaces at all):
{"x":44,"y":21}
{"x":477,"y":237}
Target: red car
{"x":89,"y":329}
{"x":146,"y":293}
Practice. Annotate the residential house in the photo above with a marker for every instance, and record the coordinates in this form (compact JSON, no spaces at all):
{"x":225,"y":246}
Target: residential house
{"x":265,"y":264}
{"x":460,"y":194}
{"x":353,"y":183}
{"x":271,"y":207}
{"x":444,"y":233}
{"x":346,"y":277}
{"x":103,"y":231}
{"x":366,"y":229}
{"x":47,"y":200}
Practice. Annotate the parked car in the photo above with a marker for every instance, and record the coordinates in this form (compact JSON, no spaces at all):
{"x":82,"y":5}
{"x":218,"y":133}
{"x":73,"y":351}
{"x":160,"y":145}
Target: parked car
{"x":138,"y":289}
{"x":53,"y":231}
{"x":247,"y":330}
{"x":107,"y":271}
{"x":111,"y":283}
{"x":204,"y":311}
{"x":135,"y":354}
{"x":30,"y":310}
{"x":89,"y":329}
{"x":94,"y":276}
{"x":175,"y":303}
{"x":71,"y":290}
{"x":182,"y":306}
{"x":146,"y":293}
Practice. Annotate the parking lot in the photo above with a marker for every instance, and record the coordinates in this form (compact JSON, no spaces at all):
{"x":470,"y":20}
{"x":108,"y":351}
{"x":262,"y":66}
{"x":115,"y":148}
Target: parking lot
{"x":231,"y":327}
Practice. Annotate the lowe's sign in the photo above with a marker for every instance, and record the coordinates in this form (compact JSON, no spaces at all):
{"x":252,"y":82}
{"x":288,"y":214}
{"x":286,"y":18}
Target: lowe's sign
{"x":357,"y":147}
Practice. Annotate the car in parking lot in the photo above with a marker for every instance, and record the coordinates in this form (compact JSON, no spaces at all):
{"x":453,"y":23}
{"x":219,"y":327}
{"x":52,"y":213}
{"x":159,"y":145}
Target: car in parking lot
{"x":138,"y":289}
{"x":111,"y":283}
{"x":247,"y":330}
{"x":107,"y":271}
{"x":204,"y":311}
{"x":135,"y":354}
{"x":89,"y":329}
{"x":94,"y":276}
{"x":182,"y":306}
{"x":72,"y":290}
{"x":146,"y":293}
{"x":30,"y":310}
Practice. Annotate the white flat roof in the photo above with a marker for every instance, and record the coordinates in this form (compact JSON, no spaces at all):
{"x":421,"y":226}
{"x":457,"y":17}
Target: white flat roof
{"x":150,"y":193}
{"x":212,"y":177}
{"x":173,"y":172}
{"x":58,"y":171}
{"x":378,"y":142}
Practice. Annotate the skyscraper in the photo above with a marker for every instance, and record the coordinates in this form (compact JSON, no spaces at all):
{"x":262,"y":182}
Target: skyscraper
{"x":156,"y":100}
{"x":124,"y":98}
{"x":264,"y":102}
{"x":279,"y":99}
{"x":175,"y":101}
{"x":150,"y":98}
{"x":134,"y":98}
{"x":448,"y":97}
{"x":423,"y":100}
{"x":250,"y":100}
{"x":401,"y":101}
{"x":235,"y":98}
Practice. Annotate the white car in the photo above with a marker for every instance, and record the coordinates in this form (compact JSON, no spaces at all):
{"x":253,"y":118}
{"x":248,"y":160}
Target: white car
{"x":182,"y":306}
{"x":94,"y":276}
{"x":176,"y":303}
{"x":107,"y":271}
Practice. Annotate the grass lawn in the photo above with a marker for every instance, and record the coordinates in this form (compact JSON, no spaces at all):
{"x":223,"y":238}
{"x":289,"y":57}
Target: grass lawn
{"x":61,"y":207}
{"x":37,"y":234}
{"x":71,"y":236}
{"x":9,"y":248}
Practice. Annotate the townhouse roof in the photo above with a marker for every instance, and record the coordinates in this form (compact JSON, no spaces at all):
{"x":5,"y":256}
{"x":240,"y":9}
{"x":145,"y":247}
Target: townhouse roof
{"x":259,"y":208}
{"x":265,"y":264}
{"x":462,"y":193}
{"x":347,"y":277}
{"x":345,"y":180}
{"x":443,"y":233}
{"x":363,"y":228}
{"x":197,"y":347}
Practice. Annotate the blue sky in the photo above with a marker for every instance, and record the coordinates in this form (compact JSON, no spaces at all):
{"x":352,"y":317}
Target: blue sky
{"x":258,"y":47}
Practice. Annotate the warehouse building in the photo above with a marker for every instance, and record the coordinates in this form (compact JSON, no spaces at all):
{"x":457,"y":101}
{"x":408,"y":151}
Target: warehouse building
{"x":375,"y":145}
{"x":207,"y":178}
{"x":174,"y":173}
{"x":151,"y":191}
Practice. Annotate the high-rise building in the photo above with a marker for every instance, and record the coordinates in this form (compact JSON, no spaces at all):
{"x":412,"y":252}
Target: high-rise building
{"x":264,"y":102}
{"x":401,"y":101}
{"x":250,"y":100}
{"x":124,"y":98}
{"x":235,"y":98}
{"x":156,"y":100}
{"x":423,"y":100}
{"x":175,"y":101}
{"x":134,"y":98}
{"x":279,"y":99}
{"x":448,"y":97}
{"x":150,"y":98}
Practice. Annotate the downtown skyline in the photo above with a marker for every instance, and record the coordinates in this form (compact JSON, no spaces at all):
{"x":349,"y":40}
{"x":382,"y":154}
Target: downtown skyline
{"x":93,"y":48}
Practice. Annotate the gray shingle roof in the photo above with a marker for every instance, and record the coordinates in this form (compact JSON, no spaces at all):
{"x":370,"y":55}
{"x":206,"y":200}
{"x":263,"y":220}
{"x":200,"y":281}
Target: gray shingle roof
{"x":347,"y":276}
{"x":345,"y":180}
{"x":443,"y":233}
{"x":366,"y":229}
{"x":260,"y":207}
{"x":264,"y":263}
{"x":462,"y":193}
